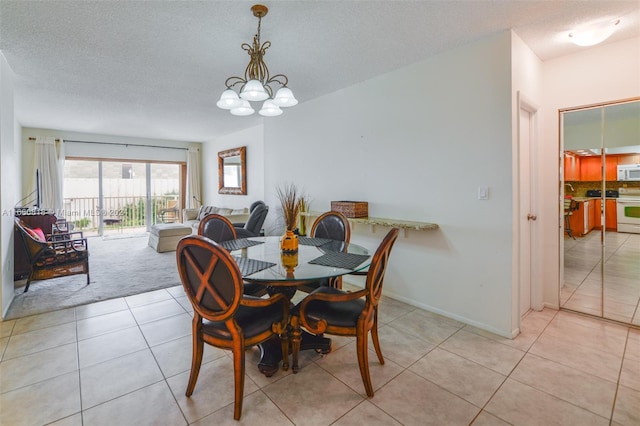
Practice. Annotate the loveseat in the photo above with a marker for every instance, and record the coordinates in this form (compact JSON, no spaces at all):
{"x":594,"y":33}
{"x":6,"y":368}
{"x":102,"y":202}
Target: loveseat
{"x":191,"y":217}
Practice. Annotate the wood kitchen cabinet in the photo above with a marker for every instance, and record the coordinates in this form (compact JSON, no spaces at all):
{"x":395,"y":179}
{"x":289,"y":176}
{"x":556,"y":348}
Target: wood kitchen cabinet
{"x":571,"y":167}
{"x":611,"y":216}
{"x":610,"y":219}
{"x":576,"y":220}
{"x":591,"y":169}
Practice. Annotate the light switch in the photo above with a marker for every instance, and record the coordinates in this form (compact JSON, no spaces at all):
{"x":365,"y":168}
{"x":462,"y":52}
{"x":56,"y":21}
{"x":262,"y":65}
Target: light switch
{"x":483,"y":193}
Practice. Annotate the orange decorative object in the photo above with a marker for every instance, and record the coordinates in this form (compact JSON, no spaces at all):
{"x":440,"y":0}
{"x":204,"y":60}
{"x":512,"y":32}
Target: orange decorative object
{"x":289,"y":242}
{"x":289,"y":262}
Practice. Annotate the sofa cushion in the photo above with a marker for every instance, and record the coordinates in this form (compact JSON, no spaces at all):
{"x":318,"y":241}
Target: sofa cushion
{"x":223,"y":211}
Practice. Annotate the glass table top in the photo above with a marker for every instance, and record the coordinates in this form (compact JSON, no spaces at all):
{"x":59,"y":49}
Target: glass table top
{"x":288,"y":269}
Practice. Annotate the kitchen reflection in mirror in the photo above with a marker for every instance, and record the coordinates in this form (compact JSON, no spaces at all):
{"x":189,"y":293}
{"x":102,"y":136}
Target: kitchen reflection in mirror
{"x":600,"y":242}
{"x":232,"y":171}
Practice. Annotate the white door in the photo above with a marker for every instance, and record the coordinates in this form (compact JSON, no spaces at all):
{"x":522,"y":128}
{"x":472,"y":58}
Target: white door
{"x":527,"y":210}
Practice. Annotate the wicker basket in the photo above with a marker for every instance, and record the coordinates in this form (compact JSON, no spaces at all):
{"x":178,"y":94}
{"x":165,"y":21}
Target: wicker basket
{"x":351,"y":208}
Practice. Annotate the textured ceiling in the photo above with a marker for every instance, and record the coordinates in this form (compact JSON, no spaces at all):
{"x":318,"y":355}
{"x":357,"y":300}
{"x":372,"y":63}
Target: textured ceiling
{"x":156,"y":68}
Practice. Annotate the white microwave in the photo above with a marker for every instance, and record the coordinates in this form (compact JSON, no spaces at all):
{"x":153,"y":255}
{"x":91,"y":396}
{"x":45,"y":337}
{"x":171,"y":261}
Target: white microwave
{"x":629,"y":172}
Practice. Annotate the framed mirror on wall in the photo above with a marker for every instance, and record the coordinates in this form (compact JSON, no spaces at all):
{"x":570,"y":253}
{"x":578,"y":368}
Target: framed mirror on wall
{"x":600,"y":237}
{"x":232,"y":171}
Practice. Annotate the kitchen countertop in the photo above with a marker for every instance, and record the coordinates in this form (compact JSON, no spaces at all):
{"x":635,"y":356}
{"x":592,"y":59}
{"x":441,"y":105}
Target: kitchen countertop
{"x":582,"y":199}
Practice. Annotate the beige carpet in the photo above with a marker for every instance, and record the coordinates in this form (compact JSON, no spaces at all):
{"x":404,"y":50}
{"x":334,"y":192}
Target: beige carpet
{"x":119,"y":266}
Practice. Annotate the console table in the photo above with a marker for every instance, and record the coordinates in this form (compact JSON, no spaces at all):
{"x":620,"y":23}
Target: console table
{"x":403,"y":225}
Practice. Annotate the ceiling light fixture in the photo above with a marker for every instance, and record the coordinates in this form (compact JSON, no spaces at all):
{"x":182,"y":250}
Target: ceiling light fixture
{"x":593,"y":34}
{"x":256,"y":84}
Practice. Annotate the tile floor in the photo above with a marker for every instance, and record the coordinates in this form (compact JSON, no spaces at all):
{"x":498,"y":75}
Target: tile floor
{"x":585,"y":285}
{"x":126,"y":362}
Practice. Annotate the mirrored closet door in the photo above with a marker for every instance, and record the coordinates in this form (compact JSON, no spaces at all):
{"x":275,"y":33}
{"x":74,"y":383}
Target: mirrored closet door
{"x":600,"y":210}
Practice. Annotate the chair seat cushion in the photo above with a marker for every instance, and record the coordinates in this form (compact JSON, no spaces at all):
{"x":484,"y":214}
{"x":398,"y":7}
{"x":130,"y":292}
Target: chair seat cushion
{"x":340,"y":314}
{"x":252,"y":321}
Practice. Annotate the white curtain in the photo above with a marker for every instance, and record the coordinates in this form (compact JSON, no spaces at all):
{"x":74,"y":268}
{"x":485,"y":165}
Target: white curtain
{"x":49,"y":166}
{"x":194,"y":195}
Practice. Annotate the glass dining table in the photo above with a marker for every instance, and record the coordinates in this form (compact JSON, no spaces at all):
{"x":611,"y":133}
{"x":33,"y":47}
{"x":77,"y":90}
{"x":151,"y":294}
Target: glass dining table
{"x":261,"y":261}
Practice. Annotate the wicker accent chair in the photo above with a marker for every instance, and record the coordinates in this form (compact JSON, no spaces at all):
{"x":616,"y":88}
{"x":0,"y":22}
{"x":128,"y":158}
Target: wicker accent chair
{"x":222,"y":316}
{"x":59,"y":256}
{"x":333,"y":311}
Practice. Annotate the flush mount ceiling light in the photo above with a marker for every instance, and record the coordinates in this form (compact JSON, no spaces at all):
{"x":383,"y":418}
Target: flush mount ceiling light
{"x":593,"y":34}
{"x":256,"y":84}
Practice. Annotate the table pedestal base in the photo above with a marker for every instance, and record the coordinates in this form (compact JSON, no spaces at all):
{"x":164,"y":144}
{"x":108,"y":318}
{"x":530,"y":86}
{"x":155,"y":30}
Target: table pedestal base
{"x":271,"y":351}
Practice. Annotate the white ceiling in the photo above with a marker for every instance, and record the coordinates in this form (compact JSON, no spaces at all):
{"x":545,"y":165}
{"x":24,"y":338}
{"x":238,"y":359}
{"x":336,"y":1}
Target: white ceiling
{"x":156,"y":68}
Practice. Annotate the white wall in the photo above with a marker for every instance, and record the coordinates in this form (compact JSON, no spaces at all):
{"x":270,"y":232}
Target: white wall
{"x":416,"y":144}
{"x":599,"y":74}
{"x":252,"y":138}
{"x":9,"y":170}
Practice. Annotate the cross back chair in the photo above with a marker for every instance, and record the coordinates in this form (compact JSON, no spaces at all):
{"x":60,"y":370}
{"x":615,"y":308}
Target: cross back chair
{"x":333,"y":311}
{"x":219,"y":229}
{"x":332,"y":226}
{"x":222,"y":316}
{"x":59,"y":256}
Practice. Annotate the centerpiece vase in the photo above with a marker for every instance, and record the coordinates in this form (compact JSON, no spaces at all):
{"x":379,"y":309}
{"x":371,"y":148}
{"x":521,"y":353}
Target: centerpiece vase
{"x":289,"y":242}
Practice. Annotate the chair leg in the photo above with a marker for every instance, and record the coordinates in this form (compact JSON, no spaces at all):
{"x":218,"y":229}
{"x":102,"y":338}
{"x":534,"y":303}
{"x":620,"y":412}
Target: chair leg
{"x":284,"y":342}
{"x":363,"y":362}
{"x":28,"y":283}
{"x":296,"y":338}
{"x":238,"y":376}
{"x":196,"y":359}
{"x":374,"y":337}
{"x":567,"y":227}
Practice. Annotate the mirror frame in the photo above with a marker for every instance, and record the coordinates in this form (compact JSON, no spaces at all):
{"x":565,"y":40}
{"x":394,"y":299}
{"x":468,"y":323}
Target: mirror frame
{"x":233,"y":190}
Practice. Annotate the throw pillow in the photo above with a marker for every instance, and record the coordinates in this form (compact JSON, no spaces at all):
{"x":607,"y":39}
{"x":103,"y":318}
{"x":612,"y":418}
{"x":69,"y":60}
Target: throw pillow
{"x":40,"y":234}
{"x":224,"y":212}
{"x":238,"y":211}
{"x":35,"y":235}
{"x":205,"y":210}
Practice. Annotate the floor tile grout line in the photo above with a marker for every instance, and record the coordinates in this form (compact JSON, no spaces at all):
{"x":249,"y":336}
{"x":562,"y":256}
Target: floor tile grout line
{"x":615,"y":396}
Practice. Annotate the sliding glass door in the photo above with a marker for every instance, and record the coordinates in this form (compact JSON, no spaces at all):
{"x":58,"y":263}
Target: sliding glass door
{"x":117,"y":197}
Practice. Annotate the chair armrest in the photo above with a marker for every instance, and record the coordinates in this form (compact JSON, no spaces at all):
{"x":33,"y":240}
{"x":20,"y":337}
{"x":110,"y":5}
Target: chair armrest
{"x":62,"y":236}
{"x":321,"y":325}
{"x":243,"y":233}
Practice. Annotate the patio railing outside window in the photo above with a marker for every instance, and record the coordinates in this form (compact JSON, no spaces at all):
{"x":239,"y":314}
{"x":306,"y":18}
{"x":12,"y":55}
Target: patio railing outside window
{"x":117,"y":213}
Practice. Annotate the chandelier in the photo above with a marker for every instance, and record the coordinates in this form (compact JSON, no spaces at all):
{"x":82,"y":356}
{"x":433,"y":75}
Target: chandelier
{"x":256,"y":84}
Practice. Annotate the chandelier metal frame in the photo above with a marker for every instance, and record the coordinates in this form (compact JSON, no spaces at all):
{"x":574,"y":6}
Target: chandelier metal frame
{"x":257,"y":82}
{"x":257,"y":69}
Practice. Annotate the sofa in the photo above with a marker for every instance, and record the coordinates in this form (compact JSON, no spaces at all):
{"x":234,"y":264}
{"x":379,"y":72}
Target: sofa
{"x":191,"y":217}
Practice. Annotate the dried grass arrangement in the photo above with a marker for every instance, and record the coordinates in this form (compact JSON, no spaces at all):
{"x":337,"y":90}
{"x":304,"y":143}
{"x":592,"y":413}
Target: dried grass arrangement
{"x":290,"y":201}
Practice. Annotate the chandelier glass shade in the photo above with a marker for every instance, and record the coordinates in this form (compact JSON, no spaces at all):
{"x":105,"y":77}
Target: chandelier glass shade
{"x":256,"y":85}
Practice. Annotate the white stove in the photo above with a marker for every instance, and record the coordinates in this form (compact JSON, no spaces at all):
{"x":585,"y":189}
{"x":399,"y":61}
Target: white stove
{"x":628,"y":210}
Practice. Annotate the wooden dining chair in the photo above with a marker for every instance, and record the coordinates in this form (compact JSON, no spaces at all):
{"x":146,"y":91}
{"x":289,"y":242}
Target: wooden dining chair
{"x":333,"y":311}
{"x":332,"y":226}
{"x":218,"y":228}
{"x":222,"y":316}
